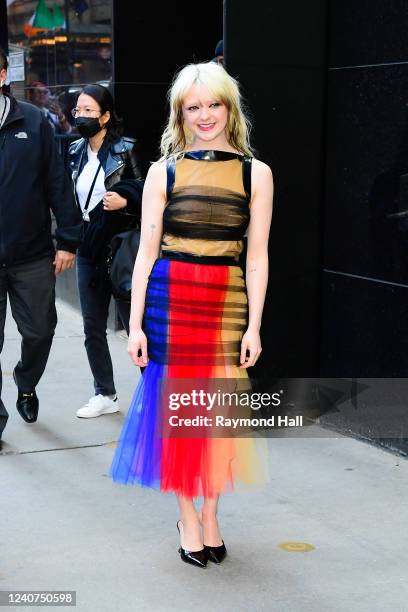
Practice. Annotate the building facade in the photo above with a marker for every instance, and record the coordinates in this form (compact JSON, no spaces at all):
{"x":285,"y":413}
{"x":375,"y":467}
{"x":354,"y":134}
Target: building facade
{"x":325,"y":83}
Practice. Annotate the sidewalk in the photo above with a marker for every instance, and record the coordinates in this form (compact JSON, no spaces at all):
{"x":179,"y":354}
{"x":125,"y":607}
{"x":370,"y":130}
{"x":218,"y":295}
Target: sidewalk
{"x":66,"y":526}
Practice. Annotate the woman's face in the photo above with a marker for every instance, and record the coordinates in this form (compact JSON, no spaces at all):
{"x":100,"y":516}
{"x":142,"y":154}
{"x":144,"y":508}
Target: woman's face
{"x":205,"y":116}
{"x":88,"y":107}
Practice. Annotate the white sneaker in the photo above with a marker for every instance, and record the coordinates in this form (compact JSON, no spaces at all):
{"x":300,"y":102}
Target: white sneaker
{"x":97,"y":405}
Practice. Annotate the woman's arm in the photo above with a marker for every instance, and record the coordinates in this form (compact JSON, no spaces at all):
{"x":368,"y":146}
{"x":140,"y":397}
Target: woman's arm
{"x":154,"y":200}
{"x":257,"y":259}
{"x":125,"y":196}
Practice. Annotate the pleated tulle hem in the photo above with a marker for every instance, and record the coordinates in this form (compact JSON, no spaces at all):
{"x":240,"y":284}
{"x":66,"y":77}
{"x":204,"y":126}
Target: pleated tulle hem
{"x":194,"y":320}
{"x":189,"y":467}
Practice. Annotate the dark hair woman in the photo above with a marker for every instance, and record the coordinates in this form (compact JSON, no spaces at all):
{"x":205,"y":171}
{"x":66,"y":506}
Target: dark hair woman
{"x":107,"y":186}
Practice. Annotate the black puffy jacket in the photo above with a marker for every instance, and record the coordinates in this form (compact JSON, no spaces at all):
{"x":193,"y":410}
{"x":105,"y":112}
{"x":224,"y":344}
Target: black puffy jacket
{"x":33,"y":181}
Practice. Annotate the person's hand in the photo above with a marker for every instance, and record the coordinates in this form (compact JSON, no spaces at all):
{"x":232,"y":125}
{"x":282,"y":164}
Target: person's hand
{"x":63,"y":261}
{"x":251,"y":342}
{"x":55,"y":108}
{"x":138,"y":343}
{"x":113,"y":201}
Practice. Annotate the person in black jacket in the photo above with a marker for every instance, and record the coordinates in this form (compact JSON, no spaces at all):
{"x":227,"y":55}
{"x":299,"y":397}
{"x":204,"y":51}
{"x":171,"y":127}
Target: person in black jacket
{"x":32,"y":181}
{"x":108,"y":189}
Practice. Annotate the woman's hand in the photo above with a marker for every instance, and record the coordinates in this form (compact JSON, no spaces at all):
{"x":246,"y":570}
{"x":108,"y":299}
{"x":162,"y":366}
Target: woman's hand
{"x":113,"y":201}
{"x":138,"y":342}
{"x":251,"y":342}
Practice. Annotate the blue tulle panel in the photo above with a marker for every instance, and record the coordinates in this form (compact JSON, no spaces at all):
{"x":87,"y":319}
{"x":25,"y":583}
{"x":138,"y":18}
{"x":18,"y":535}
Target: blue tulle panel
{"x":137,"y":459}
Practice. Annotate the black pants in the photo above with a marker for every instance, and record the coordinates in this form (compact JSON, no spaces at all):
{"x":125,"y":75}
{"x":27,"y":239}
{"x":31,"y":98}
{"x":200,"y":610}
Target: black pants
{"x":30,"y":288}
{"x":95,"y":296}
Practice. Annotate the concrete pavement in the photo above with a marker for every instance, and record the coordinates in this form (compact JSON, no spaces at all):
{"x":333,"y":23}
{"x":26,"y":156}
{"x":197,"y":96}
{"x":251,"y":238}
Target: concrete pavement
{"x":66,"y":526}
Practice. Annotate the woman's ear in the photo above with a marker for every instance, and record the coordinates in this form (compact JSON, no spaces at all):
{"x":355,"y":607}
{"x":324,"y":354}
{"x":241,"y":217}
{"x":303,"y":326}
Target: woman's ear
{"x":104,"y":119}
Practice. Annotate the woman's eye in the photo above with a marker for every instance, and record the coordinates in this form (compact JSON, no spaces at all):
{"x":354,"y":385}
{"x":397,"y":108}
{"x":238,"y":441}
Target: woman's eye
{"x":192,"y":108}
{"x":215,"y":104}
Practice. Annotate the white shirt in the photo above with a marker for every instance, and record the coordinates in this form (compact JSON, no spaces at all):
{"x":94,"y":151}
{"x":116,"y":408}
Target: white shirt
{"x":85,"y":179}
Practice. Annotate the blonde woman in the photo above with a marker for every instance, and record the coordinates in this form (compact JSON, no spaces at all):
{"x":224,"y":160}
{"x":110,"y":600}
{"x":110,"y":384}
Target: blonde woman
{"x":199,"y":200}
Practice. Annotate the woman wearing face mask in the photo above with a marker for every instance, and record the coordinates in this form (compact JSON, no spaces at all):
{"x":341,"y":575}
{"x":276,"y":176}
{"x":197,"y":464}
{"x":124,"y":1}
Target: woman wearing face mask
{"x":107,"y":187}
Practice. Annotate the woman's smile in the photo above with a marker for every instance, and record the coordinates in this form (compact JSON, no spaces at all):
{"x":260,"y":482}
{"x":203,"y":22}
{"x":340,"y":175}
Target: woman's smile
{"x":206,"y":127}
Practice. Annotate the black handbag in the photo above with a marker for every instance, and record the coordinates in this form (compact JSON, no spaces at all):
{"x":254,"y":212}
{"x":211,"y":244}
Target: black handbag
{"x":123,"y":251}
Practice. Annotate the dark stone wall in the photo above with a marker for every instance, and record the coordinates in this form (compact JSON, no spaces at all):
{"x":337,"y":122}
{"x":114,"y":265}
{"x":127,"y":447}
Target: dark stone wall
{"x":150,"y":44}
{"x":365,"y":277}
{"x":365,"y":291}
{"x":326,"y":83}
{"x":278,"y":51}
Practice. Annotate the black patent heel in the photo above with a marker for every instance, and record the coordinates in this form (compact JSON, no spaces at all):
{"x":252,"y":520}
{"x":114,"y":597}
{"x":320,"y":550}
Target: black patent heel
{"x":216,"y":554}
{"x":194,"y":557}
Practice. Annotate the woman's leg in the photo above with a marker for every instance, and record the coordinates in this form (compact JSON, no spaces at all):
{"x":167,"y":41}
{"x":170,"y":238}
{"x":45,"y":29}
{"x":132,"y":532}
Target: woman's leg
{"x":95,"y":309}
{"x":208,"y":519}
{"x":190,"y":530}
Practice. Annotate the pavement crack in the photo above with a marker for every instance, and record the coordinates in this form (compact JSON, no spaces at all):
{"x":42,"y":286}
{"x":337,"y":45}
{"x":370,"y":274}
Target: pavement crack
{"x":51,"y":450}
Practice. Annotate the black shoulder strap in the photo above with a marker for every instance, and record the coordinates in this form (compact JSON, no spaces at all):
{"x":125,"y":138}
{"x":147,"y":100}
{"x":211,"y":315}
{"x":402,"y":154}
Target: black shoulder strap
{"x":85,"y":213}
{"x":246,"y":175}
{"x":171,"y":175}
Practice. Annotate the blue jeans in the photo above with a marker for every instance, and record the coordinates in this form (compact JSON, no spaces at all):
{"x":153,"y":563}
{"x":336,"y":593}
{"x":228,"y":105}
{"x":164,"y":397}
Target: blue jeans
{"x":95,"y":309}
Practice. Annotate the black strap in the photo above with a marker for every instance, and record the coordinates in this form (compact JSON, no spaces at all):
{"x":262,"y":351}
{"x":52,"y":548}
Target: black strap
{"x":88,"y":199}
{"x":212,"y":260}
{"x":171,"y":175}
{"x":246,"y":176}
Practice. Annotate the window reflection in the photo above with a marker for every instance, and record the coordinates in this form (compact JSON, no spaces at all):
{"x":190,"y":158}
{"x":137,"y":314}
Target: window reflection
{"x":65,"y":43}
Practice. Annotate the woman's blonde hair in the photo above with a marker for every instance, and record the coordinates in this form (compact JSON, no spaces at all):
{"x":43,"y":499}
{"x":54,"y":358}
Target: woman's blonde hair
{"x":224,"y":88}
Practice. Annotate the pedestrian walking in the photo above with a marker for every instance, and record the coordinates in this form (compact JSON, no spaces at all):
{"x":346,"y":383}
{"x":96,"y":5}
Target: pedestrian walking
{"x":32,"y":181}
{"x":107,"y":187}
{"x":50,"y":107}
{"x":199,"y":200}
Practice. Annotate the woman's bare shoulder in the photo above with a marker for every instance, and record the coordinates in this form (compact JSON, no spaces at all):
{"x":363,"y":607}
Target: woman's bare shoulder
{"x":261,"y":170}
{"x":156,"y":177}
{"x":157,"y":168}
{"x":262,"y":179}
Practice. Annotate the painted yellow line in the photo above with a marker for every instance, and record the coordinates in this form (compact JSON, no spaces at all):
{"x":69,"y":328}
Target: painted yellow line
{"x":296,"y":546}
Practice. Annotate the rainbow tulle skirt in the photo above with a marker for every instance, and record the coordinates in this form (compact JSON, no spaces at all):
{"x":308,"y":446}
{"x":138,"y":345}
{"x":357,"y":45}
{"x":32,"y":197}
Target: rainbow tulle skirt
{"x":195,"y":316}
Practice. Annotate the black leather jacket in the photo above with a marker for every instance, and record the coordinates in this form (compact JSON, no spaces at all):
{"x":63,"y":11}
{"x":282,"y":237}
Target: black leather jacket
{"x":122,"y":174}
{"x":119,"y":162}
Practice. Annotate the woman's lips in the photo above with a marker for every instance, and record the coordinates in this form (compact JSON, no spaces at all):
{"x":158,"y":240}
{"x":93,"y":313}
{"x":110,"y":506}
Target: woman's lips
{"x":206,"y":128}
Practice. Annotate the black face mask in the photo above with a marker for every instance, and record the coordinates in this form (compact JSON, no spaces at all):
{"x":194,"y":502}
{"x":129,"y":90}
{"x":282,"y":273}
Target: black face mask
{"x":87,"y":126}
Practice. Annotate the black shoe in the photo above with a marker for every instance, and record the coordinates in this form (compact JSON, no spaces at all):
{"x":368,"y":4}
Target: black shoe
{"x":216,"y":554}
{"x":27,"y":406}
{"x":194,"y":557}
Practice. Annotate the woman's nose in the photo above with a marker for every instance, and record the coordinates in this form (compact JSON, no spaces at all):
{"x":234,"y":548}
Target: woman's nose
{"x":204,"y":113}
